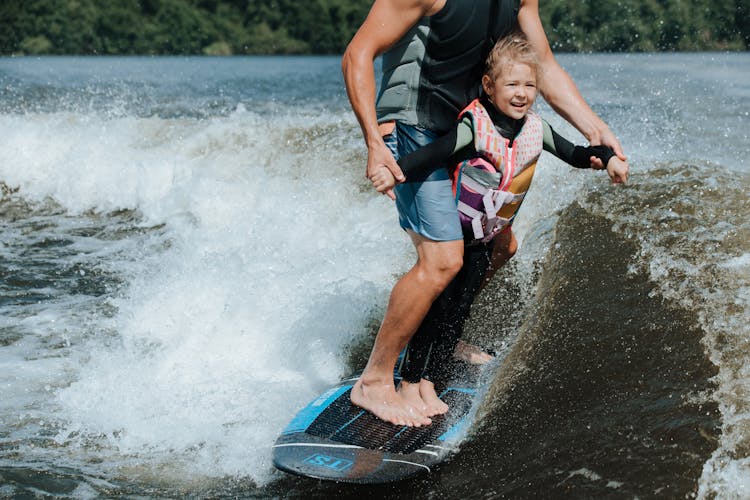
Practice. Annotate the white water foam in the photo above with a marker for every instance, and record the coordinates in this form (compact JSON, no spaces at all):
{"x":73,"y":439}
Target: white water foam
{"x":273,"y":260}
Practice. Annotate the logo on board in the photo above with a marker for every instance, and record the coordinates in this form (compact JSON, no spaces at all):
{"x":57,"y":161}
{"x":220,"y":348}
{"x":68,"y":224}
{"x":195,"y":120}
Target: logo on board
{"x":329,"y":462}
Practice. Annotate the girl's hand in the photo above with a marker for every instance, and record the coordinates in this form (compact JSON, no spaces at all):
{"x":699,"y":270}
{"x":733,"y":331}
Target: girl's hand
{"x":379,"y":157}
{"x":617,"y":170}
{"x":383,"y":181}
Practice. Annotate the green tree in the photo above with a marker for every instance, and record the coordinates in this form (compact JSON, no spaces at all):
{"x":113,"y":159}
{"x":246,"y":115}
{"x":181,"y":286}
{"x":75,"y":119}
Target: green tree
{"x":326,"y":26}
{"x":742,"y":20}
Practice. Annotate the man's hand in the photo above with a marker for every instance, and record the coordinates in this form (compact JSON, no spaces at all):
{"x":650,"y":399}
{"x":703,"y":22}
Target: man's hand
{"x":607,"y":138}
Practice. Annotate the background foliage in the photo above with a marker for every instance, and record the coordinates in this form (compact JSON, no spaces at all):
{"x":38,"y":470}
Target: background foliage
{"x":223,"y":27}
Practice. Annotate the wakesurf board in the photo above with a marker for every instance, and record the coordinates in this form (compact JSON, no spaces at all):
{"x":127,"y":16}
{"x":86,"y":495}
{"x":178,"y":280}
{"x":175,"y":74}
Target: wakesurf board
{"x":332,"y":439}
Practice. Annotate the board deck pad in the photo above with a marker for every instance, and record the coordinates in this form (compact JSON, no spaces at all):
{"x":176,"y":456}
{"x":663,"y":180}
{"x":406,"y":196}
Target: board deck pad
{"x":332,"y":439}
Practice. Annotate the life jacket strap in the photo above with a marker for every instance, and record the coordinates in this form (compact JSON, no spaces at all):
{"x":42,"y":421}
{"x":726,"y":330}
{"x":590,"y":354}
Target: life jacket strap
{"x":500,"y":197}
{"x":483,"y":227}
{"x":492,"y":201}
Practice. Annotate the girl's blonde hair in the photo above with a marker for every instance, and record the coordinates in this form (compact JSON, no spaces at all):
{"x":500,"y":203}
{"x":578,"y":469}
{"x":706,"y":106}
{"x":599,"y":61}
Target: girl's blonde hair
{"x":511,"y":49}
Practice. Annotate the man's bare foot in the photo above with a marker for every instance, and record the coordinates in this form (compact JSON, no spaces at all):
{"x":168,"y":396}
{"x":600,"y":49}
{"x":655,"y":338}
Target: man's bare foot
{"x":382,"y":400}
{"x":435,"y":405}
{"x":471,"y":354}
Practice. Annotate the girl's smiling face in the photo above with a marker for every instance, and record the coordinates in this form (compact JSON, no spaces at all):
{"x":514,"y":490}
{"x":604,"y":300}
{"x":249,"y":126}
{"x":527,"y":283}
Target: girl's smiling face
{"x":513,"y":90}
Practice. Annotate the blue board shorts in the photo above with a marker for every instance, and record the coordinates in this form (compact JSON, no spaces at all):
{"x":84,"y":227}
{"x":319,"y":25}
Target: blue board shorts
{"x":428,"y":208}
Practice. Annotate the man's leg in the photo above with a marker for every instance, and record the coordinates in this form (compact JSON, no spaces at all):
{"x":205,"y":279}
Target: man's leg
{"x":437,"y":264}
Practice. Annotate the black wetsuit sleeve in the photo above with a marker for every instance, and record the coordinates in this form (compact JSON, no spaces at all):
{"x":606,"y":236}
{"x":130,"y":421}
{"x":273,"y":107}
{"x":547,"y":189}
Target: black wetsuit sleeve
{"x":577,"y":156}
{"x":419,"y":164}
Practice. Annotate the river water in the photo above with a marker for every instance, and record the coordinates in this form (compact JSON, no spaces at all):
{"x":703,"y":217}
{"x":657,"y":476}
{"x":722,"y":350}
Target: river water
{"x":189,"y":253}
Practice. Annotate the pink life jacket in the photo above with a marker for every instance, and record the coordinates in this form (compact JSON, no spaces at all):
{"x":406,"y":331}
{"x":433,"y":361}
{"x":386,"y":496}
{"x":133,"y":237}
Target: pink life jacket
{"x":490,"y":187}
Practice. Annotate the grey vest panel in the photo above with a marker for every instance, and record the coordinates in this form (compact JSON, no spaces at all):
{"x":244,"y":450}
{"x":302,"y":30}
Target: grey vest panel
{"x":399,"y":86}
{"x":434,"y":71}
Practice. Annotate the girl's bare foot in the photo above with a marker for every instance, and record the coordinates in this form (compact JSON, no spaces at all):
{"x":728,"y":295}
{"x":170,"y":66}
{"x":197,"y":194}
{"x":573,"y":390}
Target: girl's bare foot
{"x":471,"y":354}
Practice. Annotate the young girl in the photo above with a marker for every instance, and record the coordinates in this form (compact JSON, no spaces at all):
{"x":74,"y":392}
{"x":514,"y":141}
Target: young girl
{"x":494,"y":147}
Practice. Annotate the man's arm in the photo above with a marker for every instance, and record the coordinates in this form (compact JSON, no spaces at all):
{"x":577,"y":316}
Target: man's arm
{"x":558,"y":88}
{"x":386,"y":23}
